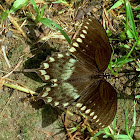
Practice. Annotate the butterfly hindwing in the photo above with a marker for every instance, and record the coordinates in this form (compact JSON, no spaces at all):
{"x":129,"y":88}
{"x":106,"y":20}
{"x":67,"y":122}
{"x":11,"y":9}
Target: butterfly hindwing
{"x":99,"y":103}
{"x":67,"y":76}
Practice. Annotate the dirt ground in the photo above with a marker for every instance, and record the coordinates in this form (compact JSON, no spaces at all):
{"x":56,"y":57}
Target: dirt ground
{"x":21,"y":118}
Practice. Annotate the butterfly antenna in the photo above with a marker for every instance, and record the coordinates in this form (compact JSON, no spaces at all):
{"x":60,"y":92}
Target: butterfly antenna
{"x":26,"y":70}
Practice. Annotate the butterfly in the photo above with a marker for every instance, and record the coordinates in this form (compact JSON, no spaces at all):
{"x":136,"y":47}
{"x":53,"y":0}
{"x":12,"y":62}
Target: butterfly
{"x":77,"y":76}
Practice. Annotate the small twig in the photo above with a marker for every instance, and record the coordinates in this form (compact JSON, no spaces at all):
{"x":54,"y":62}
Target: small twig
{"x":5,"y":57}
{"x":18,"y":64}
{"x":23,"y":89}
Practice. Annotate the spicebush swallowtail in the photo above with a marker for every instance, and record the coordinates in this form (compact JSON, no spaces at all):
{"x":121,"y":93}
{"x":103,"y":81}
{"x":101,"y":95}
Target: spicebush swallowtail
{"x":77,"y":76}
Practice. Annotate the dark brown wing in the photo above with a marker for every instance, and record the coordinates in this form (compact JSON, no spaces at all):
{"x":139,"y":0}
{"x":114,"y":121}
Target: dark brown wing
{"x":68,"y":78}
{"x":76,"y":78}
{"x":99,"y":103}
{"x":92,"y":45}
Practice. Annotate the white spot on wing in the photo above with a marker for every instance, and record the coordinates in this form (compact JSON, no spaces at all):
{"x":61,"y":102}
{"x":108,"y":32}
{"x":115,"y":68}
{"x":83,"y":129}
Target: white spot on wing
{"x":100,"y":123}
{"x":54,"y":80}
{"x":46,"y":65}
{"x":55,"y":85}
{"x":43,"y":72}
{"x":79,"y":105}
{"x":92,"y":114}
{"x":56,"y":103}
{"x":87,"y":111}
{"x":84,"y":31}
{"x":79,"y":40}
{"x":71,"y":60}
{"x":83,"y":108}
{"x":47,"y":77}
{"x":65,"y":104}
{"x":48,"y":89}
{"x":49,"y":99}
{"x":97,"y":121}
{"x":82,"y":35}
{"x":51,"y":59}
{"x":60,"y":55}
{"x":67,"y":54}
{"x":72,"y":49}
{"x":86,"y":27}
{"x":45,"y":94}
{"x":95,"y":117}
{"x":75,"y":44}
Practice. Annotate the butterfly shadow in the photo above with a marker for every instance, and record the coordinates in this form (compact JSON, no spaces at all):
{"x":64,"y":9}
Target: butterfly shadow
{"x":49,"y":113}
{"x":39,"y":50}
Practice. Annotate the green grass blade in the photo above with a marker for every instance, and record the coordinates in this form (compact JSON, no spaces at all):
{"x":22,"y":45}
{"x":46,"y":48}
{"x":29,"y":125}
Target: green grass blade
{"x":137,"y":96}
{"x":117,"y":4}
{"x":50,"y":23}
{"x":35,"y":7}
{"x":114,"y":126}
{"x":121,"y":61}
{"x":61,"y":1}
{"x":96,"y":135}
{"x":122,"y":137}
{"x":107,"y":132}
{"x":111,"y":63}
{"x":42,"y":11}
{"x":17,"y":5}
{"x":134,"y":124}
{"x":131,"y":19}
{"x":126,"y":122}
{"x":125,"y":58}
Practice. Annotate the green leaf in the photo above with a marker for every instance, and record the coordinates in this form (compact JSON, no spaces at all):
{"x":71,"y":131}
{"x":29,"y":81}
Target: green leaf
{"x":17,"y":5}
{"x":138,"y":16}
{"x":96,"y":135}
{"x":35,"y":6}
{"x":114,"y":126}
{"x":126,"y":46}
{"x":121,"y":61}
{"x":134,"y":123}
{"x":117,"y":4}
{"x":50,"y":23}
{"x":122,"y":36}
{"x":109,"y":33}
{"x":4,"y":15}
{"x":138,"y":42}
{"x":126,"y":122}
{"x":137,"y":96}
{"x":107,"y":132}
{"x":129,"y":33}
{"x":61,"y":1}
{"x":131,"y":19}
{"x":137,"y":8}
{"x":42,"y":11}
{"x":122,"y":136}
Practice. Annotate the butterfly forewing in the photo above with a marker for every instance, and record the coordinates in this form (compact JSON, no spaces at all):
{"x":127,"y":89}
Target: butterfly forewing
{"x":76,"y":76}
{"x":92,"y":45}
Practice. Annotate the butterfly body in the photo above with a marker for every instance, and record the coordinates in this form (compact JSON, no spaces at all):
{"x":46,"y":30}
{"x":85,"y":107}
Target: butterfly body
{"x":77,"y":76}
